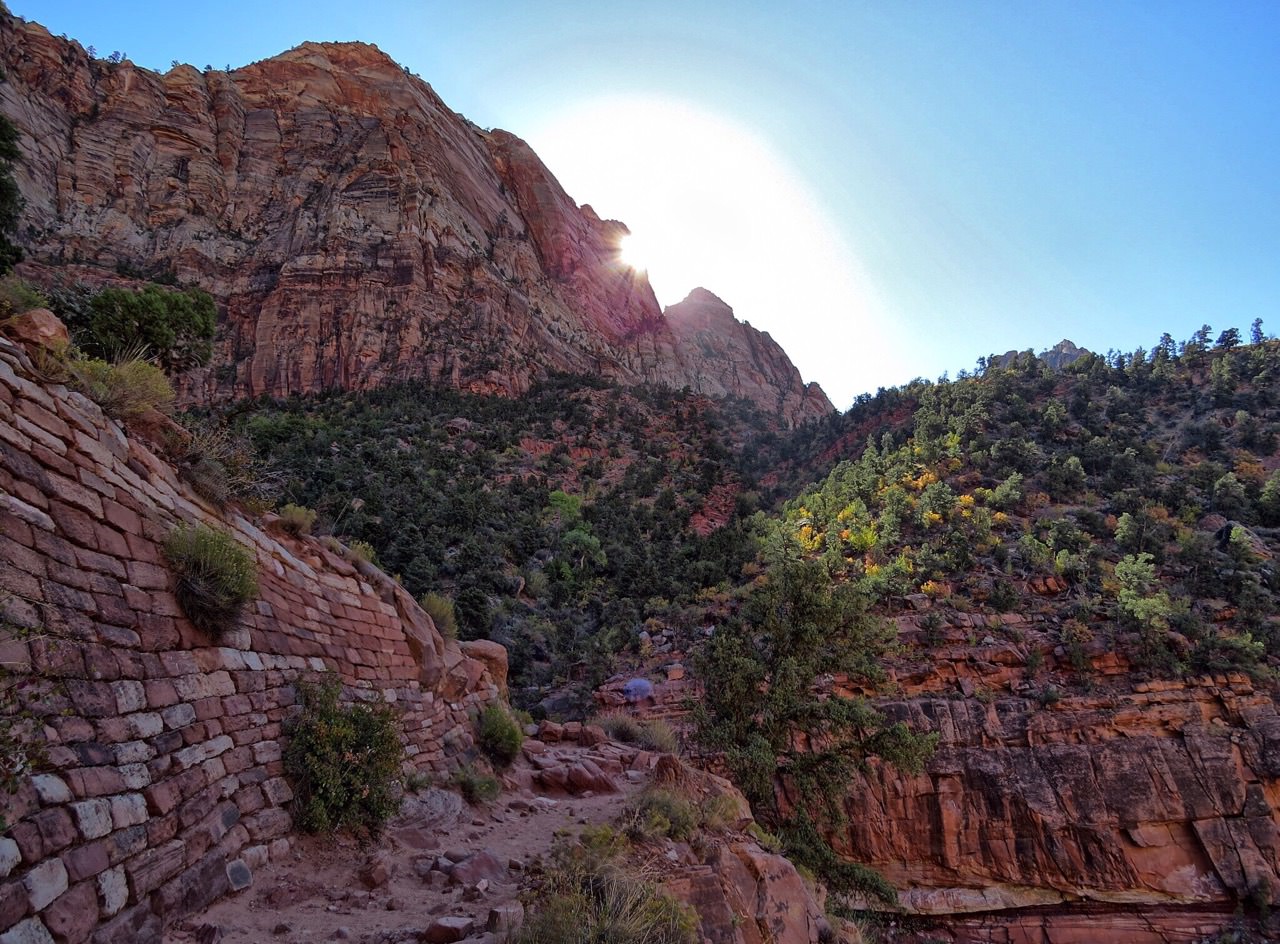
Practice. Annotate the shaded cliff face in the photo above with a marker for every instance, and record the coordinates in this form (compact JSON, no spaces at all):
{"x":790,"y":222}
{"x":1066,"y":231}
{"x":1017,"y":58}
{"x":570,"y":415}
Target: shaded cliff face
{"x":738,"y":359}
{"x":354,"y":229}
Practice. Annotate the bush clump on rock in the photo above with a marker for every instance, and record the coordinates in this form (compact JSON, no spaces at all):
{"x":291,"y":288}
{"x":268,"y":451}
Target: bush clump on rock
{"x":587,"y":896}
{"x":216,"y":575}
{"x":126,"y":389}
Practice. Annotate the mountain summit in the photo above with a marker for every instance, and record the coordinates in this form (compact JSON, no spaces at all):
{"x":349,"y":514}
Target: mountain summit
{"x":354,"y":230}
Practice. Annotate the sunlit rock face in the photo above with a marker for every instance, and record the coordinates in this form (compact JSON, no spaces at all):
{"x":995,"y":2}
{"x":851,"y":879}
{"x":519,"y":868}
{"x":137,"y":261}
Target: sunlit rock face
{"x":354,"y":230}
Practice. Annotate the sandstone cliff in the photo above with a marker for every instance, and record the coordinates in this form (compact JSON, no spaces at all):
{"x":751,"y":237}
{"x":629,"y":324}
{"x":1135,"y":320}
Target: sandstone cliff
{"x":163,"y":786}
{"x":1055,"y":812}
{"x":354,"y":230}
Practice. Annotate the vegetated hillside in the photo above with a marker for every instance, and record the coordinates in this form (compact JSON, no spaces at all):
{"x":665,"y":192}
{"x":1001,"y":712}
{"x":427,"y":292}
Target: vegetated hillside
{"x":557,"y":522}
{"x":1079,"y":567}
{"x":1144,"y":488}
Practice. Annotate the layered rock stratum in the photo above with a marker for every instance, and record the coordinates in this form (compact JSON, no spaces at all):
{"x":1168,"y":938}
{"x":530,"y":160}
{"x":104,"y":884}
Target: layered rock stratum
{"x":354,"y":230}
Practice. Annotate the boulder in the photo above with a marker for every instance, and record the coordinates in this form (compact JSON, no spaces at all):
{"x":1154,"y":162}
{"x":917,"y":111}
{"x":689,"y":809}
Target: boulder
{"x":481,"y":866}
{"x":493,"y":656}
{"x":38,"y":328}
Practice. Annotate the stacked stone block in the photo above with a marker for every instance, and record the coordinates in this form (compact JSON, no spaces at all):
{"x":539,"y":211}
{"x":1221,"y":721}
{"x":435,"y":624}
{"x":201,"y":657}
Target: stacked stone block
{"x":163,"y":785}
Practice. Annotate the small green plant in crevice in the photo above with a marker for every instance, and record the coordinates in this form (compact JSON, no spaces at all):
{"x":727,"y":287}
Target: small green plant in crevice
{"x":363,"y":550}
{"x":440,"y":609}
{"x":499,"y":735}
{"x":587,"y":896}
{"x":297,"y":520}
{"x":216,"y":575}
{"x":344,"y":762}
{"x":476,"y":786}
{"x":125,"y":389}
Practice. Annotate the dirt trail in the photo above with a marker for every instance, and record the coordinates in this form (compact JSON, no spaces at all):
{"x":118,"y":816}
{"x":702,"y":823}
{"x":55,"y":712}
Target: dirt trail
{"x":393,"y":890}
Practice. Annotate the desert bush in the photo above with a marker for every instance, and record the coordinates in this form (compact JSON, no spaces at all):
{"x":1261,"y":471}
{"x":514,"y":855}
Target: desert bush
{"x":619,"y":726}
{"x":363,"y":550}
{"x":660,"y":813}
{"x":126,"y":389}
{"x":297,"y":520}
{"x":655,"y":735}
{"x":500,"y":736}
{"x":221,"y":465}
{"x":440,"y":609}
{"x":216,"y":575}
{"x":343,"y":761}
{"x":587,"y":897}
{"x":475,"y":786}
{"x":17,"y":296}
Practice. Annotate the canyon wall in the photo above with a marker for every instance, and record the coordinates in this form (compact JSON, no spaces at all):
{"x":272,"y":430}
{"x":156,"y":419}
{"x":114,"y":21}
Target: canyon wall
{"x":163,"y":786}
{"x":1063,"y":805}
{"x":1055,"y":811}
{"x":353,"y":229}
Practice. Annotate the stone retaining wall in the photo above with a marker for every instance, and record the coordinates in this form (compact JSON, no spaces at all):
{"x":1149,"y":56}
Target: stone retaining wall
{"x":163,"y":787}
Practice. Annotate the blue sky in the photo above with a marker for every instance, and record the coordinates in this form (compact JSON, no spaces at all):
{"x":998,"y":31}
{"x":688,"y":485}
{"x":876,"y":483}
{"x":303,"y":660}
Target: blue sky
{"x":973,"y":177}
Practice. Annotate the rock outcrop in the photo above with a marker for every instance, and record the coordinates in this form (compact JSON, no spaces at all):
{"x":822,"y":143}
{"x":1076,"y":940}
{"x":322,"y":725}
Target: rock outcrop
{"x":1061,"y":355}
{"x":163,"y":785}
{"x":354,"y":230}
{"x":740,"y":360}
{"x":1155,"y":803}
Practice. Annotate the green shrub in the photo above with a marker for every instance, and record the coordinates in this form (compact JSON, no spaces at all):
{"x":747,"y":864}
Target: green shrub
{"x":440,"y":609}
{"x":175,"y":327}
{"x":659,"y":813}
{"x":125,"y":390}
{"x":500,"y":736}
{"x":344,"y":762}
{"x":216,"y":575}
{"x":297,"y":520}
{"x":476,"y":787}
{"x":17,"y":296}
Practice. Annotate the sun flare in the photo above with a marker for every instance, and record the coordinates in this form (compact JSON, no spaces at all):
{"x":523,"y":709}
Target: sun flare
{"x":634,"y":253}
{"x":712,"y":204}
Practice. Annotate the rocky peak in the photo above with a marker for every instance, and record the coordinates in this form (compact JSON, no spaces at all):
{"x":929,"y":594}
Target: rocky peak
{"x":1055,"y":358}
{"x":354,"y":230}
{"x":756,"y":365}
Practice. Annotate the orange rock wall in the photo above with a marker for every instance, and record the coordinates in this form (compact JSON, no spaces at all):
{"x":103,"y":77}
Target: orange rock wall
{"x":164,"y":787}
{"x":354,"y":229}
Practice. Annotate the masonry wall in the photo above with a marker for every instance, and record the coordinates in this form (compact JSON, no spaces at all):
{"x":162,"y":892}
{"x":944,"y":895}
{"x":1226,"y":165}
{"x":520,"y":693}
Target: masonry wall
{"x":164,"y":786}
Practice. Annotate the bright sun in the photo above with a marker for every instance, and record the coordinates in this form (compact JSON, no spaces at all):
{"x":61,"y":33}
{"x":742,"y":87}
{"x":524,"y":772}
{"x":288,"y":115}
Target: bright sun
{"x":633,"y":252}
{"x":712,"y":204}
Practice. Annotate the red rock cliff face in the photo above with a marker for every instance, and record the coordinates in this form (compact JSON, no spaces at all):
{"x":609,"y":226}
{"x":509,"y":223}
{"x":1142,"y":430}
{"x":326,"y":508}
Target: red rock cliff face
{"x":354,"y":229}
{"x":1139,"y":811}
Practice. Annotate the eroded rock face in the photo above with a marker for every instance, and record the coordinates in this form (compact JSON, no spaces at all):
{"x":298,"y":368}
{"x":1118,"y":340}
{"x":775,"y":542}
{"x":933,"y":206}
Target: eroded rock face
{"x":1163,"y":799}
{"x":354,"y":230}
